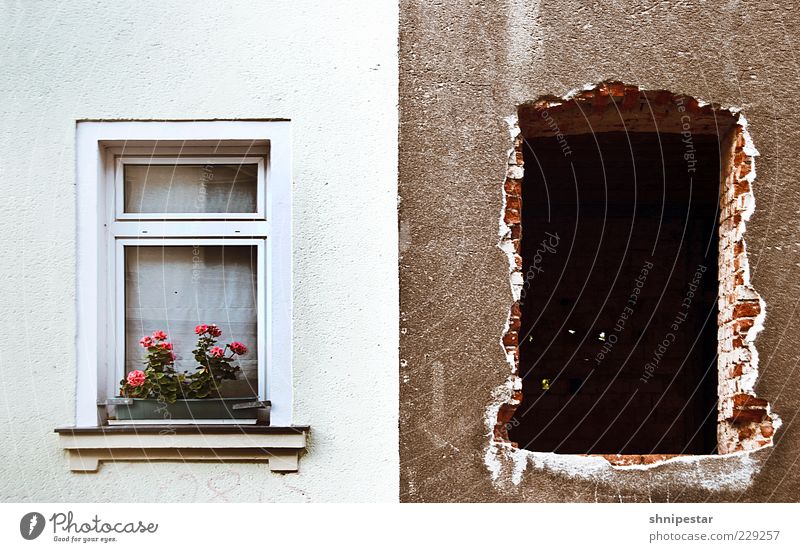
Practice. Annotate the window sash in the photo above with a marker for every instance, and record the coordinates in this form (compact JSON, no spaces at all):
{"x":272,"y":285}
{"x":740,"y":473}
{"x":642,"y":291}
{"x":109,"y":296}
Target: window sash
{"x":189,"y":229}
{"x":116,"y":313}
{"x":119,"y":188}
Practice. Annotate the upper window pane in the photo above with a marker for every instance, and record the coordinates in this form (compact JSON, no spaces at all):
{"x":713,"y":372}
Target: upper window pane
{"x":190,"y":188}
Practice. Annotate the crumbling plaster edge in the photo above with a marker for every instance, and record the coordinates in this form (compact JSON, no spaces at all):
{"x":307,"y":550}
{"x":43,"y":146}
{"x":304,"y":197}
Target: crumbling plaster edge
{"x":740,"y":466}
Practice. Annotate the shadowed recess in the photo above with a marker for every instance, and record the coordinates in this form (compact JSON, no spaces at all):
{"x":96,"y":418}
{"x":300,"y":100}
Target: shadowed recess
{"x":618,"y":337}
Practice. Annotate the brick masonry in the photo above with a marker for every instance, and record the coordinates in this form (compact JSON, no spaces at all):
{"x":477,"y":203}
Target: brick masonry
{"x":745,"y":422}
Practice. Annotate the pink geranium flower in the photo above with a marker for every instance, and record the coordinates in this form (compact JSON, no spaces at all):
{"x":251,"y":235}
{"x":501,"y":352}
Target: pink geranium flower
{"x":216,"y":352}
{"x":166,"y":345}
{"x":159,"y":335}
{"x":146,"y":341}
{"x":201,"y":329}
{"x":136,"y":378}
{"x":214,"y":331}
{"x":238,"y":348}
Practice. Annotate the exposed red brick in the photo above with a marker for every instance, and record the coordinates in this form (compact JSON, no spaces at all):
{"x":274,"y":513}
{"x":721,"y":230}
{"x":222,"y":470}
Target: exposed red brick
{"x":631,"y":100}
{"x":512,"y":217}
{"x":511,"y":339}
{"x":748,"y":416}
{"x":513,"y":187}
{"x":746,"y":308}
{"x":505,"y":414}
{"x":743,"y":169}
{"x":743,"y":325}
{"x":600,"y":103}
{"x":743,"y":399}
{"x":616,"y":89}
{"x":746,"y":432}
{"x":634,"y":459}
{"x":740,"y":187}
{"x":568,"y":105}
{"x":663,"y":97}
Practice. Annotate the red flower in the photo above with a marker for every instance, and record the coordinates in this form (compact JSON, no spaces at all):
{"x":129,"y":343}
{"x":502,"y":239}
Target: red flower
{"x":238,"y":348}
{"x":214,"y":331}
{"x":159,"y":335}
{"x":201,"y":329}
{"x":166,"y":346}
{"x":146,"y":342}
{"x":216,"y":352}
{"x":136,"y":378}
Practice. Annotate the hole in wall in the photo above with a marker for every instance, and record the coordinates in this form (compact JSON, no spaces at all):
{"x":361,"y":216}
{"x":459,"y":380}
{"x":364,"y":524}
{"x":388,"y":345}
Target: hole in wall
{"x":623,"y":220}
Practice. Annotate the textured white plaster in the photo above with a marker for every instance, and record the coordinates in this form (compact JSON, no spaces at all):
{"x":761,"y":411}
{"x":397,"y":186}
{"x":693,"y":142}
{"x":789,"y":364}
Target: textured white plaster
{"x":329,"y":67}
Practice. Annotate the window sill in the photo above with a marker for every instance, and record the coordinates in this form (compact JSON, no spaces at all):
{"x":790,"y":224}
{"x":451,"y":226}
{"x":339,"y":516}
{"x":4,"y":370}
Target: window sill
{"x":281,"y":447}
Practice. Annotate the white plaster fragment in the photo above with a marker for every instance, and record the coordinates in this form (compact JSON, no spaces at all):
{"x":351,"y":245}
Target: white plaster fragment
{"x":514,"y":171}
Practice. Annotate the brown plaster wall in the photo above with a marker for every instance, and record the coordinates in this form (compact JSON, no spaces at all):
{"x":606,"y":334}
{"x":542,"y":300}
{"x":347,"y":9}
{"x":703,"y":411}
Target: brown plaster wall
{"x":464,"y":67}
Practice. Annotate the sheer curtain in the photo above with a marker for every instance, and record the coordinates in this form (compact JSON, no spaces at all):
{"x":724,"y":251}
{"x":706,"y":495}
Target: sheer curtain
{"x":180,"y":188}
{"x":175,"y":288}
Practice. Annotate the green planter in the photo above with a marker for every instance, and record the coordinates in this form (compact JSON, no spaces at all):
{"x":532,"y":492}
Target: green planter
{"x":245,"y":408}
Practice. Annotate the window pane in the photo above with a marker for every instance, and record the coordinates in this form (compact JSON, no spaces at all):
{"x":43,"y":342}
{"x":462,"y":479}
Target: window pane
{"x":191,"y":188}
{"x":175,"y":288}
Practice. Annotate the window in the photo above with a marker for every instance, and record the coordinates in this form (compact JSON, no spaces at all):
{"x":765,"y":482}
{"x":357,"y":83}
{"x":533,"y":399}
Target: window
{"x":180,"y":224}
{"x":632,"y":330}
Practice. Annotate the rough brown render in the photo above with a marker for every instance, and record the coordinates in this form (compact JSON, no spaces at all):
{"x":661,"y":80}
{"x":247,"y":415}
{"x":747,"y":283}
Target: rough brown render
{"x":465,"y":67}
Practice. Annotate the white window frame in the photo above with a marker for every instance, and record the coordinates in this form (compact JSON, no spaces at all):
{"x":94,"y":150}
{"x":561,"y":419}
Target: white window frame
{"x":120,"y":187}
{"x":102,"y":233}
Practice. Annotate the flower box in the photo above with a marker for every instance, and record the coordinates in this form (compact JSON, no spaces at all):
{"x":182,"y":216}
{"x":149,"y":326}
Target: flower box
{"x":187,"y":411}
{"x":151,"y":396}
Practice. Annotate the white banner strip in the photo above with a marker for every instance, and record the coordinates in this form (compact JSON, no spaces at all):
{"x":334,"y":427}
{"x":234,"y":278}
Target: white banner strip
{"x":244,"y":527}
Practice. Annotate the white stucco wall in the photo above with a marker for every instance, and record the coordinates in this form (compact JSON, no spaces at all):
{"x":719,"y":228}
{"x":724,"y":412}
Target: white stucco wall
{"x":331,"y":67}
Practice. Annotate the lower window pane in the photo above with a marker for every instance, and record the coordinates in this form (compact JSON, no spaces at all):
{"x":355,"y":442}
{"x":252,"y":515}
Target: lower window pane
{"x":175,"y":288}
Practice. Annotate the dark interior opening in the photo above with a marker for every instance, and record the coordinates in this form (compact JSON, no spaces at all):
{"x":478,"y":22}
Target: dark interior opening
{"x":618,"y":344}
